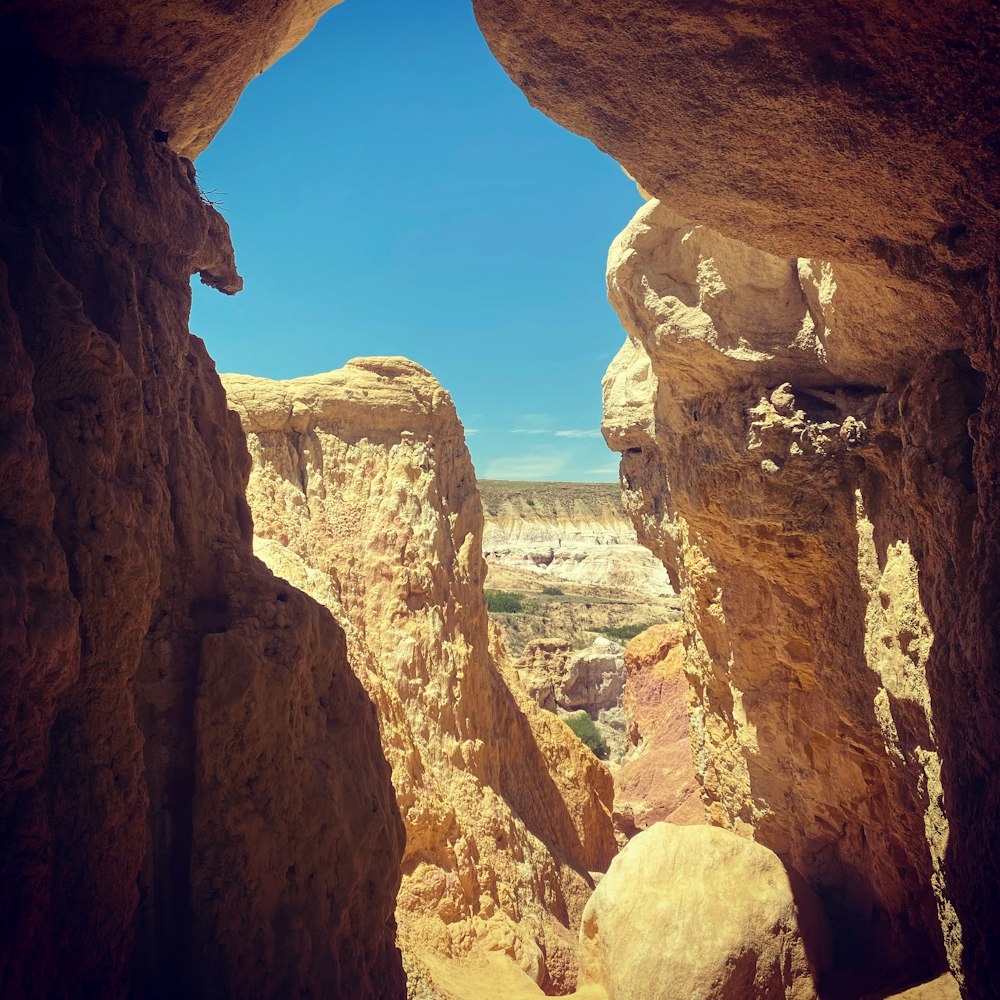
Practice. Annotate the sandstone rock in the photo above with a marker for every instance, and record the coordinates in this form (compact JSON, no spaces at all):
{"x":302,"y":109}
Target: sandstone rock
{"x":751,"y":489}
{"x":594,"y":677}
{"x":568,"y":531}
{"x":657,"y":781}
{"x":700,"y":912}
{"x":942,"y":988}
{"x":855,"y":133}
{"x":364,"y":496}
{"x":796,"y":132}
{"x":541,"y":667}
{"x":193,"y":796}
{"x":558,"y":677}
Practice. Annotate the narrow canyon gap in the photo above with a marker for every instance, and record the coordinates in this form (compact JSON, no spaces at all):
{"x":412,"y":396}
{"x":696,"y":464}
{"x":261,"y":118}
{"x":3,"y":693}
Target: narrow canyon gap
{"x":150,"y":793}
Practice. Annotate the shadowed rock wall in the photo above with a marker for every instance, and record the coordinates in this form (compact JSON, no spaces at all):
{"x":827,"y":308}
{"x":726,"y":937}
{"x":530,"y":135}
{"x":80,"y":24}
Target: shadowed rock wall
{"x":864,"y":136}
{"x":782,"y":509}
{"x":193,"y":797}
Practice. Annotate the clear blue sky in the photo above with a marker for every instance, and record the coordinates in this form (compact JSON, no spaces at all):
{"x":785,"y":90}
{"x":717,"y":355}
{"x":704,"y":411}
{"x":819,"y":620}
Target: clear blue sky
{"x":390,"y":191}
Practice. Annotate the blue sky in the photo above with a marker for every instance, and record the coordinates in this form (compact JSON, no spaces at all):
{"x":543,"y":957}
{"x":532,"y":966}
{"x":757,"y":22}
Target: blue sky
{"x":390,"y":191}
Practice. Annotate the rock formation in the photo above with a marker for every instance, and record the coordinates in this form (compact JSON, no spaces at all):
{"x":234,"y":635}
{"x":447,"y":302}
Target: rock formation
{"x":812,"y":446}
{"x":192,"y":58}
{"x":559,"y":677}
{"x":817,"y":740}
{"x":193,"y":796}
{"x":699,"y":912}
{"x":364,"y":495}
{"x":657,"y":780}
{"x":568,"y":531}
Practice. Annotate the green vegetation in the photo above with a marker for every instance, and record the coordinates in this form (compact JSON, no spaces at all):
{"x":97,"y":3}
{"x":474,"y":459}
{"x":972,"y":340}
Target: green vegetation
{"x":622,"y":633}
{"x":503,"y":602}
{"x":553,"y":591}
{"x":583,"y":725}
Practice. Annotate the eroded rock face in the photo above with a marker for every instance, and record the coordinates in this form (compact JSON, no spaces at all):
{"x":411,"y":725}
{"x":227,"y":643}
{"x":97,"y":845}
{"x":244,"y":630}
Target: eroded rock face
{"x":568,"y":531}
{"x":193,"y":796}
{"x":783,"y":510}
{"x":857,"y":132}
{"x":699,"y":912}
{"x":559,"y":677}
{"x":364,"y":495}
{"x":657,"y":780}
{"x":865,"y":136}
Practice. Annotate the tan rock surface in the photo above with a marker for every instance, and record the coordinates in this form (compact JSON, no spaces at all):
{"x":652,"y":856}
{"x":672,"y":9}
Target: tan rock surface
{"x":699,"y":912}
{"x":862,"y":134}
{"x":657,"y":781}
{"x":193,"y":796}
{"x":363,"y":494}
{"x":557,"y":676}
{"x":861,"y":131}
{"x":942,"y":988}
{"x":568,"y":531}
{"x":807,"y":643}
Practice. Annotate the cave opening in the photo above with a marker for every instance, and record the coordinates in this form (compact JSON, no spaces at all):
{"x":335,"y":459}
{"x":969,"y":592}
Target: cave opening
{"x":391,"y":192}
{"x":197,"y":789}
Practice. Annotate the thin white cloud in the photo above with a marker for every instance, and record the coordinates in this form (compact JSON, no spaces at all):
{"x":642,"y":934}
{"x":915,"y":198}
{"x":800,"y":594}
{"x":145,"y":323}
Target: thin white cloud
{"x":607,"y":470}
{"x":536,"y":468}
{"x":469,"y":431}
{"x":578,"y":434}
{"x":529,"y":430}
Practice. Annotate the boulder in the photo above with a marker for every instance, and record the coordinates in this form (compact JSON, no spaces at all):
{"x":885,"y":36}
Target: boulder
{"x":697,"y":911}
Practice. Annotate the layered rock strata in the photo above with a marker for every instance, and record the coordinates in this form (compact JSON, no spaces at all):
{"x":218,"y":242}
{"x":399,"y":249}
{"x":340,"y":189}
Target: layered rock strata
{"x":568,"y":531}
{"x":193,"y":796}
{"x":863,"y":135}
{"x":364,"y":495}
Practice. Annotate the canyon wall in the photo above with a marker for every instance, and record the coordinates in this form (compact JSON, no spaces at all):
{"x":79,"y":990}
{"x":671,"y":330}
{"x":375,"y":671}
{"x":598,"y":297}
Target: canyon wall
{"x":571,"y":531}
{"x":364,"y":495}
{"x":193,"y":796}
{"x":810,"y":439}
{"x":807,"y":644}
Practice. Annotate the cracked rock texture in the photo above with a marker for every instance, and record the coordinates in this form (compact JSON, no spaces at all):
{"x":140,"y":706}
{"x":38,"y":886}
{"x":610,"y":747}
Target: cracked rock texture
{"x":696,"y":911}
{"x":864,"y":135}
{"x":193,"y":796}
{"x":781,"y":509}
{"x":364,"y":496}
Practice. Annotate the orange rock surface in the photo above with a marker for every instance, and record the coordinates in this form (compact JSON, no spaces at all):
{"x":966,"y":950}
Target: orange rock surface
{"x":857,"y":145}
{"x":364,"y":495}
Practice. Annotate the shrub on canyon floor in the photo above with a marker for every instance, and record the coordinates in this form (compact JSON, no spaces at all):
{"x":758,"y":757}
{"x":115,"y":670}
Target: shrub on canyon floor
{"x":553,"y":591}
{"x":623,"y":633}
{"x":503,"y":601}
{"x":583,"y":725}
